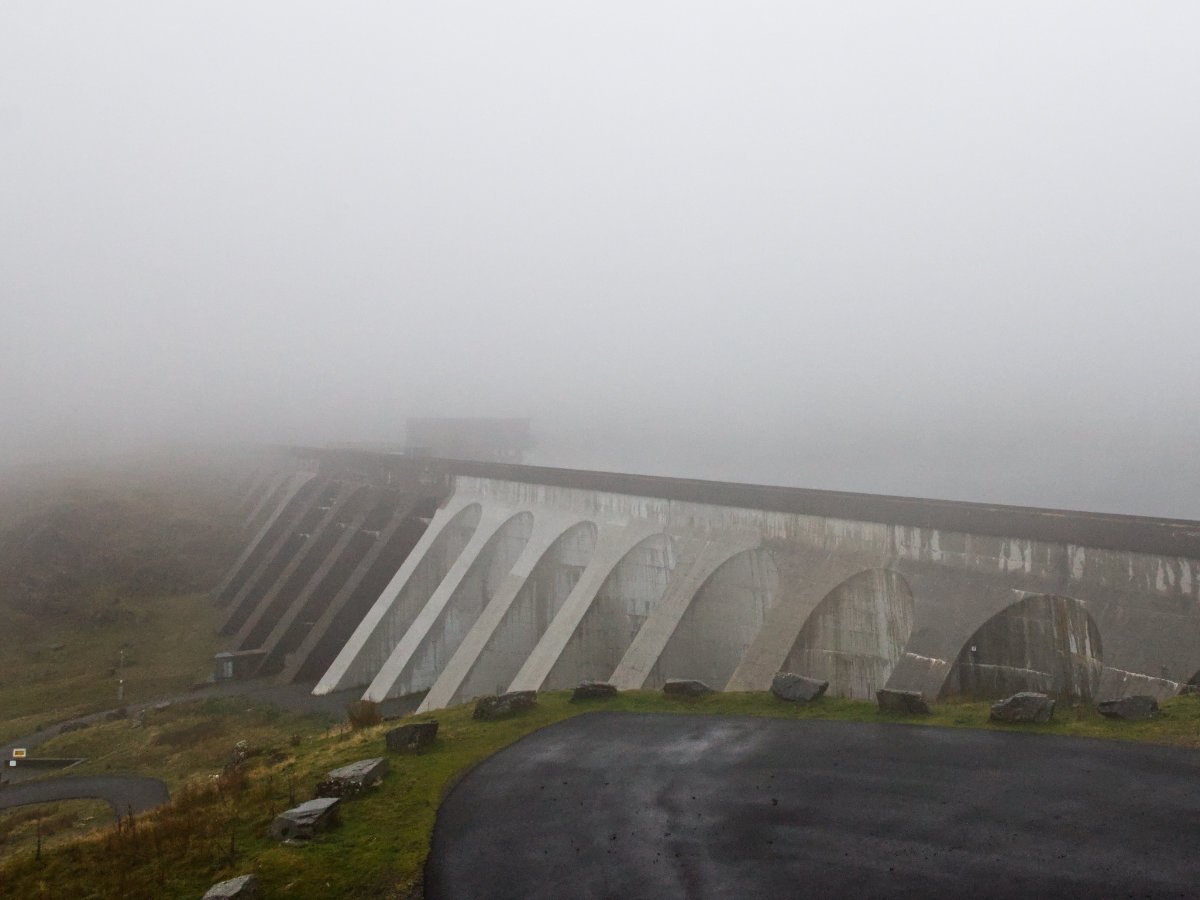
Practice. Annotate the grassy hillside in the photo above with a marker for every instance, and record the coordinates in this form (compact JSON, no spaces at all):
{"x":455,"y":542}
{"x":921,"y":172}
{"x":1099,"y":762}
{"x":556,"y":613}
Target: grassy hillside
{"x":102,"y":570}
{"x":216,"y":827}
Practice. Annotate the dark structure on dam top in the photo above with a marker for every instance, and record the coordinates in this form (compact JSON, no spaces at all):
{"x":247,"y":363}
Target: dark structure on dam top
{"x":398,"y":574}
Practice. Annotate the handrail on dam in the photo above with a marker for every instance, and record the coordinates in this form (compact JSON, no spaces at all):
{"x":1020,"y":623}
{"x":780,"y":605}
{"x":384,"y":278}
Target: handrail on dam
{"x":1143,"y":534}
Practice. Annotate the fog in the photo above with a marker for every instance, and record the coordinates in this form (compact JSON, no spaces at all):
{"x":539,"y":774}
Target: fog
{"x":934,"y":249}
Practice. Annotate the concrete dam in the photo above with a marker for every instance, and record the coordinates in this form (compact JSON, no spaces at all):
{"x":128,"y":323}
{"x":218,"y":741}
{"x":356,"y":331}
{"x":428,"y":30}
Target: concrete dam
{"x":396,"y":575}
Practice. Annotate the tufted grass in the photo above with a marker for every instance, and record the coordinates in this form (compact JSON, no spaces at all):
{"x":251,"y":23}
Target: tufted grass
{"x":379,"y":849}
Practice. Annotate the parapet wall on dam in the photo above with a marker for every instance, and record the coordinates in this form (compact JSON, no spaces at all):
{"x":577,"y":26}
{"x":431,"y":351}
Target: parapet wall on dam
{"x":485,"y":577}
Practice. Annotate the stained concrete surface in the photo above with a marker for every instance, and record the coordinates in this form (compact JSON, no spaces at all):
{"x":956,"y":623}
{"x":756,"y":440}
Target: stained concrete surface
{"x":635,"y":805}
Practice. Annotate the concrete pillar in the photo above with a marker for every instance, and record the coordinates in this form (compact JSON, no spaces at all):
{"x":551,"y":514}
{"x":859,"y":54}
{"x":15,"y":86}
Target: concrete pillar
{"x":297,"y":660}
{"x":434,"y":634}
{"x":698,"y":559}
{"x":613,"y":543}
{"x":805,"y":580}
{"x":271,"y":562}
{"x":280,"y":636}
{"x":256,"y":626}
{"x":376,"y":635}
{"x":548,"y":528}
{"x":240,"y":569}
{"x":253,"y":491}
{"x":259,"y":498}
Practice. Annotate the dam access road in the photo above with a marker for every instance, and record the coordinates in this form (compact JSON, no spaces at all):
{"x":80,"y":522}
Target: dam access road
{"x":662,"y":806}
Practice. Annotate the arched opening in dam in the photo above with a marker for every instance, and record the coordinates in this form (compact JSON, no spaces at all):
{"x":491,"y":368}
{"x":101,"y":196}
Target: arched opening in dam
{"x":484,"y":576}
{"x":1043,"y":643}
{"x":533,"y":609}
{"x":721,"y":622}
{"x":856,"y":634}
{"x":629,"y":593}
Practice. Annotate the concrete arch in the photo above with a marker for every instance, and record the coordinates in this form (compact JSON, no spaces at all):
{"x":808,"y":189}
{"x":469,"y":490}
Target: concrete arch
{"x":1043,"y":642}
{"x":516,"y":619}
{"x":630,"y":592}
{"x":721,"y":621}
{"x":447,"y":617}
{"x":436,"y":553}
{"x":856,"y":634}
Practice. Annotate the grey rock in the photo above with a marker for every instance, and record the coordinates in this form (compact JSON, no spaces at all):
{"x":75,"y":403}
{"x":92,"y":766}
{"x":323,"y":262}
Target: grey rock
{"x":797,"y":688}
{"x":495,"y":707}
{"x":306,"y":820}
{"x":908,"y":702}
{"x":411,"y":737}
{"x":1139,"y":706}
{"x":243,"y":887}
{"x":594,"y":690}
{"x":686,"y":687}
{"x":1189,"y":689}
{"x":351,"y":780}
{"x":1026,"y":706}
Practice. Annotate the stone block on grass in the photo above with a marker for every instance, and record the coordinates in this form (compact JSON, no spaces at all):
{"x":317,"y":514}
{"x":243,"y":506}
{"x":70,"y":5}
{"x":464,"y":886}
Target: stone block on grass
{"x":594,"y":690}
{"x":496,"y":707}
{"x":307,"y":820}
{"x":1026,"y":706}
{"x":412,"y":737}
{"x":797,"y":688}
{"x":906,"y":702}
{"x":352,"y":780}
{"x":1139,"y":706}
{"x":686,"y":687}
{"x":241,"y":888}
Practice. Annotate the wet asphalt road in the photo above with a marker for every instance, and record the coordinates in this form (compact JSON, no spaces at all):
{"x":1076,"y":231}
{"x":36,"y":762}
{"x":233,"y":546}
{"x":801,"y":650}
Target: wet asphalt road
{"x":124,"y":793}
{"x":659,"y":806}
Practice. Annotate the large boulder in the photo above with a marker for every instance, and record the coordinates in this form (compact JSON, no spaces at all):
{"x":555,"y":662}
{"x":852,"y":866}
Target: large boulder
{"x":352,"y":780}
{"x":797,"y":688}
{"x":411,"y":737}
{"x":504,"y":704}
{"x":686,"y":687}
{"x":1026,"y":706}
{"x":241,"y":888}
{"x":1139,"y":706}
{"x":306,"y":820}
{"x":907,"y":702}
{"x":594,"y":690}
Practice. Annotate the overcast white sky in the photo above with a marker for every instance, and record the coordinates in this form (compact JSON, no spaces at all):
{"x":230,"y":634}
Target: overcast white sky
{"x":940,"y":249}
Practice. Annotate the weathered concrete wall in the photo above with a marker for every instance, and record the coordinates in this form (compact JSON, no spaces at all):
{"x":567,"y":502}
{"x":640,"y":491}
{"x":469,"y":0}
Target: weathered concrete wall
{"x":721,"y":621}
{"x":648,"y":588}
{"x":857,"y":634}
{"x":1046,"y":644}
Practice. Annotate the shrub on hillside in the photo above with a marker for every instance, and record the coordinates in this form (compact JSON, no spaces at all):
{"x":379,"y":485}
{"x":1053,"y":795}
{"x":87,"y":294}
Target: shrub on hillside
{"x":363,"y":713}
